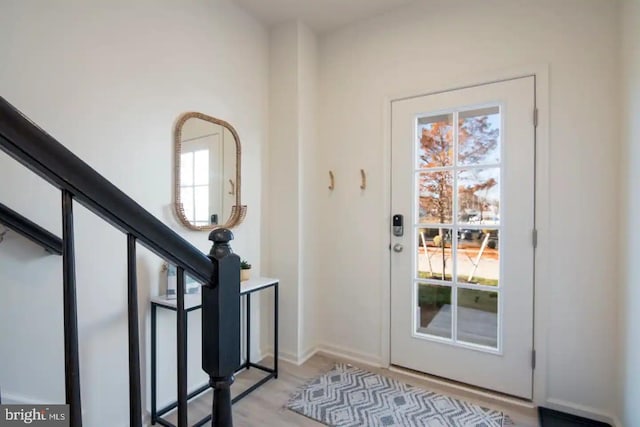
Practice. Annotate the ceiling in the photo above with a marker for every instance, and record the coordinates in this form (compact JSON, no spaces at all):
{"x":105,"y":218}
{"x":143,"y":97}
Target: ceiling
{"x":321,"y":15}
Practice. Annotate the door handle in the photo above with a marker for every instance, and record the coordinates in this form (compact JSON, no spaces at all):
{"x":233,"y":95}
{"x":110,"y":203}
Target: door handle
{"x":398,"y":247}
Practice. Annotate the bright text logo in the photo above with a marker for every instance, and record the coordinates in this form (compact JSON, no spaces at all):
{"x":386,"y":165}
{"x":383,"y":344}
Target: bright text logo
{"x":35,"y":415}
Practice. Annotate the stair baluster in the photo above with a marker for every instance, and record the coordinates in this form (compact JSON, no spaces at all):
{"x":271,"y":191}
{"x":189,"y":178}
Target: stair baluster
{"x":135,"y":392}
{"x":71,"y":357}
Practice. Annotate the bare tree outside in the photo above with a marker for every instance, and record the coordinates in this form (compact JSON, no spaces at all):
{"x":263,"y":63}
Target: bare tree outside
{"x":478,"y":143}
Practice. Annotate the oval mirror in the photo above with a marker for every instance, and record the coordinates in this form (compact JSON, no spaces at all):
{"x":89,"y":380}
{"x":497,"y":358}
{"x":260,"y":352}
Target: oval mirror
{"x":207,"y":173}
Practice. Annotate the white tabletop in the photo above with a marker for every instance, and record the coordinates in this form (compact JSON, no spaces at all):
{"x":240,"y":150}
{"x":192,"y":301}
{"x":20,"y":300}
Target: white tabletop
{"x":256,"y":283}
{"x":195,"y":300}
{"x":190,"y":301}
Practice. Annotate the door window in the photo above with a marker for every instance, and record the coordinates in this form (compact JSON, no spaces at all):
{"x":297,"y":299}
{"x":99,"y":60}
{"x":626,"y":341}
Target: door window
{"x":457,"y":218}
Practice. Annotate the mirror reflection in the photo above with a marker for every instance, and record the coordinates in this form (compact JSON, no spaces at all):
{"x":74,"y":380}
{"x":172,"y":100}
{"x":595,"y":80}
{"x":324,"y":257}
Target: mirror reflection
{"x":207,"y":172}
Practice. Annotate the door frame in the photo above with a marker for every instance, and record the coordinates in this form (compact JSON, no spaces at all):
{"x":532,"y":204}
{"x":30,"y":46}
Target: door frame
{"x":541,"y":282}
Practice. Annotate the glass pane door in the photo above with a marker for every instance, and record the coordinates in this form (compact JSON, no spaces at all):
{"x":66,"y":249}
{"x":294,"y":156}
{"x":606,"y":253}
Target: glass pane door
{"x":457,"y":227}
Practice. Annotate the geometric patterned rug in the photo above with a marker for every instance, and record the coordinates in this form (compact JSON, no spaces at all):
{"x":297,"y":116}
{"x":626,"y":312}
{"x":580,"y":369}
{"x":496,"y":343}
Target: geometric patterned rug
{"x":348,"y":397}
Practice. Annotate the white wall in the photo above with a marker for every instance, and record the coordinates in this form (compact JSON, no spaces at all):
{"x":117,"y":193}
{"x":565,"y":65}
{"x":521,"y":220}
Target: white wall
{"x":289,"y":252}
{"x":309,"y":232}
{"x":108,"y":79}
{"x":630,"y":202}
{"x":431,"y":45}
{"x":281,"y":250}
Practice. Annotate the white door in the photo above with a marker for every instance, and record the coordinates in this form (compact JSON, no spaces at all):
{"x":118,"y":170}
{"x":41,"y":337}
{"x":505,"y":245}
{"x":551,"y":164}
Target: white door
{"x":462,"y":271}
{"x":201,"y":179}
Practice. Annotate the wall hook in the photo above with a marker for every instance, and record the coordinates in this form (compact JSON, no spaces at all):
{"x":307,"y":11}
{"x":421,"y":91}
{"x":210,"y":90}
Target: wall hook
{"x":363,"y":176}
{"x":332,"y":183}
{"x":233,"y":187}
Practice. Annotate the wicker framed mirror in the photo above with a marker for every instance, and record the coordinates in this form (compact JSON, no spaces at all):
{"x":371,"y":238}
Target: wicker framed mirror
{"x":207,"y":173}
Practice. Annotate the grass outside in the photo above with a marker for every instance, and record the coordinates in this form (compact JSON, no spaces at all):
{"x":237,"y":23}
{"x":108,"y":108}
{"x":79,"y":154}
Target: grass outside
{"x":448,"y":278}
{"x":431,"y":298}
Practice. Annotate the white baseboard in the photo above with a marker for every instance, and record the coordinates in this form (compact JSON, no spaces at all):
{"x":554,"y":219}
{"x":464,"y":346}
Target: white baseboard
{"x":308,"y":354}
{"x":288,"y":357}
{"x":616,"y":421}
{"x":346,"y":353}
{"x":261,"y":355}
{"x":582,"y":411}
{"x":16,"y":399}
{"x":329,"y":350}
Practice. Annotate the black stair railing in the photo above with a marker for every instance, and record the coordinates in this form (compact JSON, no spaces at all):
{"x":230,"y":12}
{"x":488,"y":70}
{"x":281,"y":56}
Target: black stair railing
{"x":219,"y":271}
{"x":70,"y":309}
{"x":135,"y":392}
{"x":220,"y":326}
{"x":29,"y":229}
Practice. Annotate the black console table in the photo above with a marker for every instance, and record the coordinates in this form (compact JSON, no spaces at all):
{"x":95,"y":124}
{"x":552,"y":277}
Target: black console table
{"x":193,"y":302}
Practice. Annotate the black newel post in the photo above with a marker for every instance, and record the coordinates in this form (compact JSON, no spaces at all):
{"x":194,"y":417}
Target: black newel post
{"x":221,"y":325}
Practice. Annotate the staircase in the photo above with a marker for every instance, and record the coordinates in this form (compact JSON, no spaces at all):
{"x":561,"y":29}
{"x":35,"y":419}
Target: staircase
{"x":219,"y":271}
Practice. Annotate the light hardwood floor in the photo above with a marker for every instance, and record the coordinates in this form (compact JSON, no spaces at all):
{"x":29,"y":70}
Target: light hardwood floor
{"x":265,"y":406}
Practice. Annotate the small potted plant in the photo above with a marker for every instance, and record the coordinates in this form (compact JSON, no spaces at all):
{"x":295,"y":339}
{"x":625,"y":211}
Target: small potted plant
{"x":245,"y":270}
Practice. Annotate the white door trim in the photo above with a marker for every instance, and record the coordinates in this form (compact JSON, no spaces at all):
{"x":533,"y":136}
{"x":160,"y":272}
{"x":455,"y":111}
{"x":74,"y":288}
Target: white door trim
{"x":542,"y":284}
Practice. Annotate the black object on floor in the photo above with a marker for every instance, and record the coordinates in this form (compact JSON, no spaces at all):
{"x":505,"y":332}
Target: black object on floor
{"x":551,"y":418}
